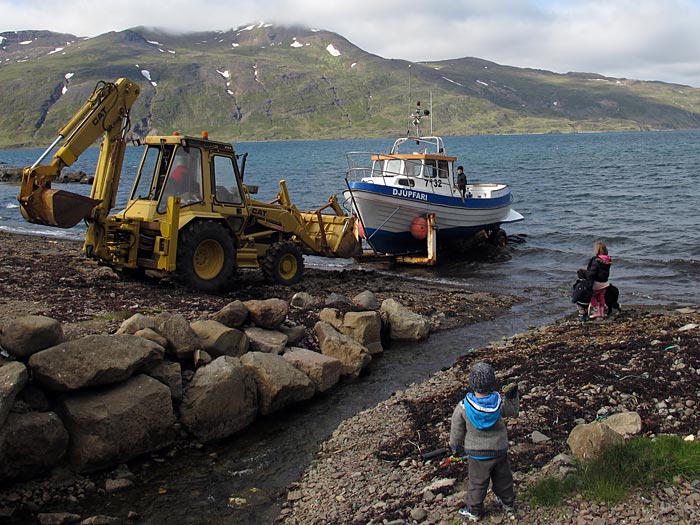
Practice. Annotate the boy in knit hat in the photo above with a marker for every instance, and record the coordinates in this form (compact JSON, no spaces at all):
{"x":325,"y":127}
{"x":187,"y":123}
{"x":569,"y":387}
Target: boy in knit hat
{"x":478,"y":431}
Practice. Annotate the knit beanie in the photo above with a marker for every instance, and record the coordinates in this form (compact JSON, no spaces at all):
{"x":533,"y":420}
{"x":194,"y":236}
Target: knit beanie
{"x":482,"y":378}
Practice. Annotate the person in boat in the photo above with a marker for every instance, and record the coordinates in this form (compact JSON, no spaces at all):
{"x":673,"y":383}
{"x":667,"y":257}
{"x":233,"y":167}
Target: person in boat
{"x":598,"y":271}
{"x":478,"y":430}
{"x":461,"y":181}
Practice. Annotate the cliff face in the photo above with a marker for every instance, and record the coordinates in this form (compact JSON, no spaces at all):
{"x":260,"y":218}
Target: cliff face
{"x":263,"y":82}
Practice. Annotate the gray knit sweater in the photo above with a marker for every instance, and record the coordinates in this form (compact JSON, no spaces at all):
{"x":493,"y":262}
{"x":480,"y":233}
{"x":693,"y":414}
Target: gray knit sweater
{"x":491,"y":442}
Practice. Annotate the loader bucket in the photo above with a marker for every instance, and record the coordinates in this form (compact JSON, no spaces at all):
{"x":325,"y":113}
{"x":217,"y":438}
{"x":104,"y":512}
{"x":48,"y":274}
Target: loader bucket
{"x":59,"y":208}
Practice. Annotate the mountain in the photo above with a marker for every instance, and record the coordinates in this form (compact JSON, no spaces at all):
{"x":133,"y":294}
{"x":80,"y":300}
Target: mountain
{"x":265,"y":82}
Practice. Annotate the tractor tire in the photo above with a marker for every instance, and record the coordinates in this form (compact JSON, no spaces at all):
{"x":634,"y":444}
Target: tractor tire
{"x":498,"y":238}
{"x":283,"y":264}
{"x":206,"y":256}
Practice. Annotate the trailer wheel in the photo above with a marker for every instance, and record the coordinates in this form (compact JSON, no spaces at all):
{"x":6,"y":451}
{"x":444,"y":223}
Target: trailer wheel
{"x":284,"y":263}
{"x":206,"y":256}
{"x":498,"y":238}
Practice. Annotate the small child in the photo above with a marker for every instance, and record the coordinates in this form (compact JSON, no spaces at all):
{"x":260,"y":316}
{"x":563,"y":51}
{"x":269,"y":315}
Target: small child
{"x":478,"y":430}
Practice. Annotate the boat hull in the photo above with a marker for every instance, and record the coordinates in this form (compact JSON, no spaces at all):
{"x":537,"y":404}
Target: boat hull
{"x":387,"y":214}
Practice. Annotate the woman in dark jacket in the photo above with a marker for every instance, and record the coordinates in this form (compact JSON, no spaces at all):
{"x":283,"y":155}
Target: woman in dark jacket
{"x":598,"y":271}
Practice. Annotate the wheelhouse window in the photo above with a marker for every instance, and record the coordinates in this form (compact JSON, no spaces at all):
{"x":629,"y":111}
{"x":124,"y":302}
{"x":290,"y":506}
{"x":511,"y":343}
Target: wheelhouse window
{"x":412,"y":168}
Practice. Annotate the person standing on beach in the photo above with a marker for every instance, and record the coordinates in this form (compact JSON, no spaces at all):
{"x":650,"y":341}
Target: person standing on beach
{"x":478,"y":431}
{"x":598,"y":271}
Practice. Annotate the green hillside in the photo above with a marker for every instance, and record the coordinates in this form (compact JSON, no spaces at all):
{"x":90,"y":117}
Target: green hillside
{"x":276,"y":83}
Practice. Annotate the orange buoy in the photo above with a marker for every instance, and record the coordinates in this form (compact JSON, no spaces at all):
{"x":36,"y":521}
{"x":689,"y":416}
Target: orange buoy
{"x":361,"y":229}
{"x":419,"y":228}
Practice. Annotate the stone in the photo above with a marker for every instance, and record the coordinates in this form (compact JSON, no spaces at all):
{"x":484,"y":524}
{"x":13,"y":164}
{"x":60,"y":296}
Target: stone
{"x":538,"y":437}
{"x":294,"y":334}
{"x":220,"y":401}
{"x":152,"y":335}
{"x":267,"y":313}
{"x":93,"y":360}
{"x":625,"y":423}
{"x":589,"y":440}
{"x":405,"y":324}
{"x":365,"y":328}
{"x":419,"y":514}
{"x":170,"y":374}
{"x":233,"y":315}
{"x":336,"y":299}
{"x":302,"y":300}
{"x":181,"y":338}
{"x":218,"y":339}
{"x":30,"y":444}
{"x":101,"y":519}
{"x":27,"y":335}
{"x":13,"y":377}
{"x":279,"y":384}
{"x":135,"y":323}
{"x":201,"y":358}
{"x":324,"y":371}
{"x":57,"y":518}
{"x":366,"y":300}
{"x":332,"y":316}
{"x":267,"y":341}
{"x":115,"y":485}
{"x":118,"y":423}
{"x":349,"y":352}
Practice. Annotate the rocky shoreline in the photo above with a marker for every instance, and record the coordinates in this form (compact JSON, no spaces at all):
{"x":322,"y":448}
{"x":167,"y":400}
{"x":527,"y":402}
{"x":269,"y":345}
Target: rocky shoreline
{"x":53,"y":322}
{"x":371,"y":471}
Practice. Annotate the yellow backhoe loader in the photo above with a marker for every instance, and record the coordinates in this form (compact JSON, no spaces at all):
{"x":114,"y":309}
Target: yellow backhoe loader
{"x":188,"y":214}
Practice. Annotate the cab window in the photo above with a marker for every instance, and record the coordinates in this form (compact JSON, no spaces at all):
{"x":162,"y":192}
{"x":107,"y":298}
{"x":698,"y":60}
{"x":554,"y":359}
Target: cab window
{"x":225,"y":181}
{"x":184,"y":179}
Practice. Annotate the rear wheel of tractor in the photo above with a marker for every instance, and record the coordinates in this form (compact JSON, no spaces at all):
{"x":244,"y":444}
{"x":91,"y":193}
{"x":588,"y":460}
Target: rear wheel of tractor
{"x":206,"y":256}
{"x":284,"y":263}
{"x":498,"y":238}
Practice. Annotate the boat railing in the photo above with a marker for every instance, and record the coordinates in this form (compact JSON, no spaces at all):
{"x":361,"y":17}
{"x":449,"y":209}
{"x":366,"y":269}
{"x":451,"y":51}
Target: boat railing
{"x":428,"y":145}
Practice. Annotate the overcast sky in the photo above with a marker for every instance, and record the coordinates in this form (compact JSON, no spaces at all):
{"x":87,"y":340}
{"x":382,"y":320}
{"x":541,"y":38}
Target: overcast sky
{"x":642,"y":39}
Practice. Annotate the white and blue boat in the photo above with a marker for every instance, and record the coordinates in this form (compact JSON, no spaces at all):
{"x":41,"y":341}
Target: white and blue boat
{"x":395,"y":194}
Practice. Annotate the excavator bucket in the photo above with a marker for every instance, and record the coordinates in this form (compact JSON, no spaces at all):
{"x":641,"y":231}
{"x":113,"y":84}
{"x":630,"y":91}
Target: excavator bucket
{"x":56,"y":207}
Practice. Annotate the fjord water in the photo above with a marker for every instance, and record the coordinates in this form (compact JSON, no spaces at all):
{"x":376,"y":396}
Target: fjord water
{"x":637,"y":191}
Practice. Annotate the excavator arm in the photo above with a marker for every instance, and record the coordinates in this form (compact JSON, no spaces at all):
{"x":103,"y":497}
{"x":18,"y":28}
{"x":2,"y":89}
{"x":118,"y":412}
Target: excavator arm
{"x":105,"y":113}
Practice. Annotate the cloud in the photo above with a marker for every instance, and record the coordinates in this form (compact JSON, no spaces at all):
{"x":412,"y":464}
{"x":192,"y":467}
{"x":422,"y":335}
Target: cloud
{"x":645,"y":39}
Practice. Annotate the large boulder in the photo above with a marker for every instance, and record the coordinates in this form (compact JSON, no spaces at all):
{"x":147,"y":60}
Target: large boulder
{"x":349,"y":352}
{"x":332,"y":316}
{"x":181,"y":338}
{"x":405,"y":324}
{"x":268,"y":313}
{"x":267,"y":341}
{"x":30,"y":444}
{"x":92,"y":361}
{"x":625,"y":423}
{"x":587,"y":441}
{"x":170,"y":374}
{"x":30,"y":334}
{"x":218,"y":339}
{"x":221,"y":400}
{"x":324,"y":371}
{"x":13,"y":377}
{"x":279,"y":383}
{"x":136,"y":323}
{"x":117,"y":423}
{"x":233,"y":315}
{"x":365,"y":328}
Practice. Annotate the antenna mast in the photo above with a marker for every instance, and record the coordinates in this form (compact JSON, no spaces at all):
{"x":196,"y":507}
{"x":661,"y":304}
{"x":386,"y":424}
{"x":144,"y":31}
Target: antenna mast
{"x":408,"y":132}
